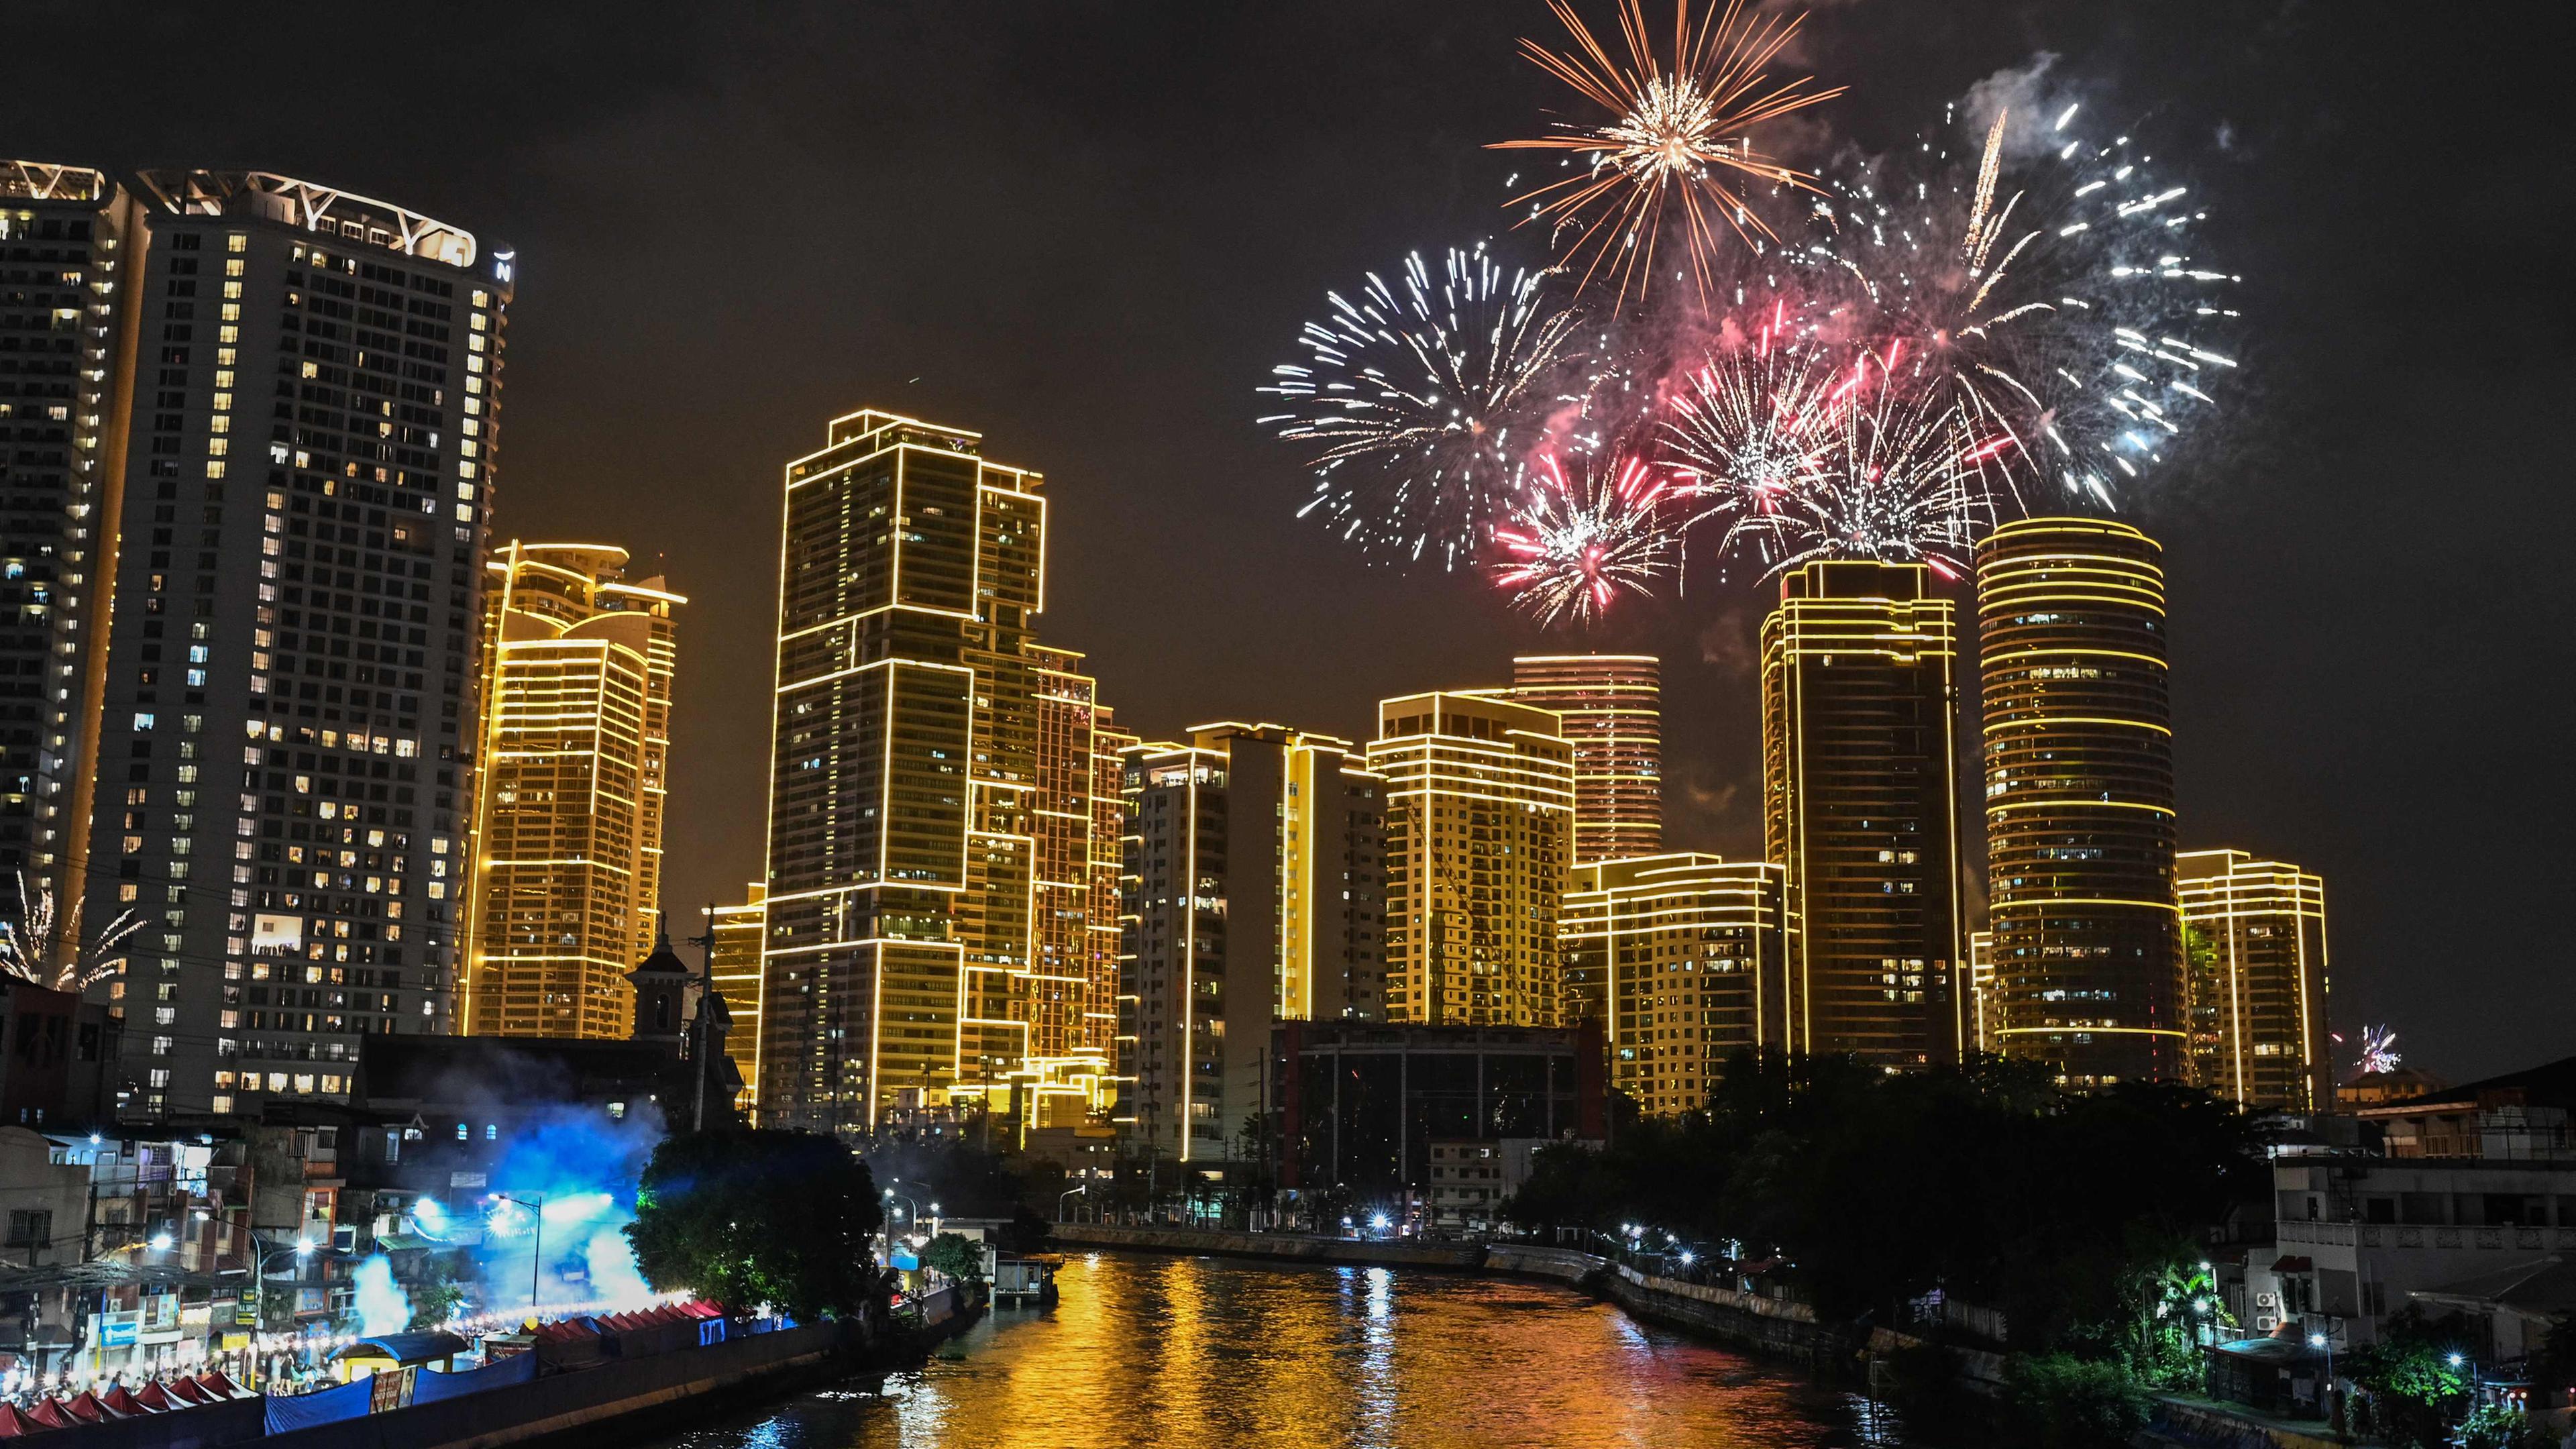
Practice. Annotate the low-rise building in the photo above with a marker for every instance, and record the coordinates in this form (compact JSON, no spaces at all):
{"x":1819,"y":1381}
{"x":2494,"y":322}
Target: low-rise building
{"x":1356,"y":1109}
{"x":2428,"y":1200}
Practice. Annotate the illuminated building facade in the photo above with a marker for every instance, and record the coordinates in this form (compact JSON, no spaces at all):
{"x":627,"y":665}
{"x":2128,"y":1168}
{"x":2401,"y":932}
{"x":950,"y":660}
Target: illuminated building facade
{"x":288,"y":702}
{"x":68,"y":239}
{"x":1255,"y":877}
{"x":2256,"y":934}
{"x":1610,"y":709}
{"x":1105,"y":910}
{"x":737,"y":932}
{"x":905,"y":779}
{"x":1981,"y":986}
{"x":2079,"y":800}
{"x":576,"y":670}
{"x":1859,"y":683}
{"x":1682,"y":959}
{"x":1480,"y":822}
{"x":1065,"y":1075}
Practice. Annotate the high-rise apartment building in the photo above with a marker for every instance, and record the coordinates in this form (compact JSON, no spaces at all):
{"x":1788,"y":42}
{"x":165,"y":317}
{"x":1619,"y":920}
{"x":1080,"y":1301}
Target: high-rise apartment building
{"x":735,"y":934}
{"x":1682,"y":959}
{"x":1480,"y":821}
{"x":1255,"y":896}
{"x":906,"y":778}
{"x":1105,"y":915}
{"x":287,"y":717}
{"x":1610,"y":709}
{"x":69,"y":236}
{"x":1069,"y":1056}
{"x":1858,"y":686}
{"x":572,"y":771}
{"x":2255,"y":931}
{"x":2079,"y":800}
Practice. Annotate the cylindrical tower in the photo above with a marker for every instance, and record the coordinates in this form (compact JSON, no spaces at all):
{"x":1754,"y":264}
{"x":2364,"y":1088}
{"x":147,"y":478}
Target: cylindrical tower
{"x":2078,"y":747}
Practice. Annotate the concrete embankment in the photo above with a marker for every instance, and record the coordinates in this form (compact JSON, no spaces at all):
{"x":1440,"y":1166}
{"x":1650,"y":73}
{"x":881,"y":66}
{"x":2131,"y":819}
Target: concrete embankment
{"x":1291,"y":1246}
{"x":1743,"y":1320}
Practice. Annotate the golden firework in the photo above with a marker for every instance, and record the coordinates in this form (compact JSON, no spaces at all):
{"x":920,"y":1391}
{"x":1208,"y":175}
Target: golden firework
{"x":1675,"y":150}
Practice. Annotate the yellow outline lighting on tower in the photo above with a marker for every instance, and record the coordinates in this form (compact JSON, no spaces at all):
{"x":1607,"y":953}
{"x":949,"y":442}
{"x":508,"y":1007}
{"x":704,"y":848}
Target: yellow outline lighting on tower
{"x":2259,"y":984}
{"x":2086,"y":958}
{"x":1859,"y":685}
{"x":567,"y":830}
{"x":931,"y":764}
{"x":1480,"y":837}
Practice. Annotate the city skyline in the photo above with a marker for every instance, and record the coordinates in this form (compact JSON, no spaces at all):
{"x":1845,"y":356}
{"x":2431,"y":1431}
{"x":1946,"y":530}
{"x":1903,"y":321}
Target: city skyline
{"x":2270,"y":740}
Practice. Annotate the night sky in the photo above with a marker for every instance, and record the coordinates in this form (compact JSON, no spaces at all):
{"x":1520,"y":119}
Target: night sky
{"x":1089,"y":229}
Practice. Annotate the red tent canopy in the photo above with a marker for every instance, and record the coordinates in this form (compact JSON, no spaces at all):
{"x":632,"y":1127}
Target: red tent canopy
{"x":157,"y":1399}
{"x":122,"y":1400}
{"x":48,"y":1414}
{"x":186,"y":1391}
{"x":216,"y":1384}
{"x":13,"y":1423}
{"x":85,"y":1407}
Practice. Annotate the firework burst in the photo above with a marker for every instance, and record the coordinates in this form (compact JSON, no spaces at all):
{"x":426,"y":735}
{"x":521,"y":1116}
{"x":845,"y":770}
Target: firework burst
{"x":1900,"y":484}
{"x":2378,"y":1051}
{"x":1673,"y":153}
{"x":1580,"y":540}
{"x":40,"y":948}
{"x":1753,"y":427}
{"x":1422,"y":398}
{"x":2045,"y":285}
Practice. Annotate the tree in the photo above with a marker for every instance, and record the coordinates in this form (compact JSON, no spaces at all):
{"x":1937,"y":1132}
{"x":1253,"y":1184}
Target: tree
{"x":438,"y":1295}
{"x":2409,"y":1376}
{"x":955,"y":1255}
{"x":2057,"y":1401}
{"x":755,"y":1218}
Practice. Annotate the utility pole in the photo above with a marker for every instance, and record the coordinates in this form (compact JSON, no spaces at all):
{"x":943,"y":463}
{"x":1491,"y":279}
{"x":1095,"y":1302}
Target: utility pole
{"x":706,"y":945}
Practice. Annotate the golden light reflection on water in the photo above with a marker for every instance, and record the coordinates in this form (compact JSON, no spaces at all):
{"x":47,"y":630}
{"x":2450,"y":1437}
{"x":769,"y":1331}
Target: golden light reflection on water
{"x":1180,"y":1352}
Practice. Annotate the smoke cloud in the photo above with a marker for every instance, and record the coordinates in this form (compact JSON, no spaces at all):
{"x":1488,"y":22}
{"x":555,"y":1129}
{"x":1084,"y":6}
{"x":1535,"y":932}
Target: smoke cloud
{"x":382,"y":1305}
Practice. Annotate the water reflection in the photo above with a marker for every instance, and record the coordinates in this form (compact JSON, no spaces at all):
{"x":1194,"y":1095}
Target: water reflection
{"x":1180,"y":1352}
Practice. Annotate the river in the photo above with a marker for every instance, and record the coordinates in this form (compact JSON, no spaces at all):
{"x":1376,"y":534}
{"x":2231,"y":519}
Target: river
{"x":1175,"y":1353}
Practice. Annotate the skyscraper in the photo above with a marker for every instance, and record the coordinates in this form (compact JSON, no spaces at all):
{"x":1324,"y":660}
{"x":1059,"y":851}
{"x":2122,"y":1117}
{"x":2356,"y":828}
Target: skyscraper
{"x":1610,"y":709}
{"x":576,"y":670}
{"x":288,"y":718}
{"x":2079,"y":798}
{"x":1105,"y":1009}
{"x":2256,"y":934}
{"x":69,"y":237}
{"x":1065,"y":1076}
{"x":1858,"y":789}
{"x":1480,"y":821}
{"x":1255,"y":893}
{"x":737,"y":933}
{"x":1683,"y":959}
{"x":905,"y":778}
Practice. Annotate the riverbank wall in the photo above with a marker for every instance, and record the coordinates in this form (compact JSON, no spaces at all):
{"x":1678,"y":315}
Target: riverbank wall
{"x":1773,"y":1327}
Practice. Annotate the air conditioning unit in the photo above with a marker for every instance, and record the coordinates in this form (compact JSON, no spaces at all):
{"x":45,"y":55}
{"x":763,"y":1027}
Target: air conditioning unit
{"x":2267,"y":1300}
{"x":2265,"y":1323}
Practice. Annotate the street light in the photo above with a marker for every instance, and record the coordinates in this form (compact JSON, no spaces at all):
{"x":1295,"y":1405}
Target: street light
{"x":302,"y":1250}
{"x":1069,"y":1192}
{"x":535,"y":1203}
